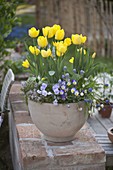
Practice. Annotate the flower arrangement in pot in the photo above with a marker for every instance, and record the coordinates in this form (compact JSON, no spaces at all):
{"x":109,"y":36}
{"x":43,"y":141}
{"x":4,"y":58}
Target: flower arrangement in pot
{"x":61,"y":89}
{"x":105,"y":104}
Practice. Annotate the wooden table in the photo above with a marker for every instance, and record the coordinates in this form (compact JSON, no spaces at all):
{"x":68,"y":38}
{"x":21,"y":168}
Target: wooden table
{"x":100,"y":126}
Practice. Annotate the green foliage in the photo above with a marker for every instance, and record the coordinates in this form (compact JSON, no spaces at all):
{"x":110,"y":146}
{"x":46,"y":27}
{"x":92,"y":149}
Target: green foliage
{"x":8,"y":19}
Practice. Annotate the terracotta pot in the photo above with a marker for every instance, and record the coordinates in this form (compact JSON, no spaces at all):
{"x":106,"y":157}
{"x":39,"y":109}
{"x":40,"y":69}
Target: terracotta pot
{"x":58,"y":123}
{"x":105,"y":112}
{"x":110,"y":134}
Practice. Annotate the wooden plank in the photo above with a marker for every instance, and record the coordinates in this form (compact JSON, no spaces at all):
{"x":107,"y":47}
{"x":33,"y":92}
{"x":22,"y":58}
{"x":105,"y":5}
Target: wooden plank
{"x":96,"y":126}
{"x":105,"y":122}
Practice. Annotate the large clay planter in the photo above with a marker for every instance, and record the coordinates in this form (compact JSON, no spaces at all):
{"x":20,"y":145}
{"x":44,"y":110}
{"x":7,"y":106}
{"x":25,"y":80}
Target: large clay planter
{"x":58,"y":123}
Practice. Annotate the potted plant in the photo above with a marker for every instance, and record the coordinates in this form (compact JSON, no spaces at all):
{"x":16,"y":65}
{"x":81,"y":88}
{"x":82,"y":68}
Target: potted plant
{"x":104,"y":104}
{"x":61,"y":89}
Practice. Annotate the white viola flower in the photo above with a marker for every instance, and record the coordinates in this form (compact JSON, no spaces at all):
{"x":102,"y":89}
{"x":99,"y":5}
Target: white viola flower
{"x":39,"y":91}
{"x":94,"y":101}
{"x":102,"y":105}
{"x":85,"y":91}
{"x":85,"y":79}
{"x":49,"y":93}
{"x":81,"y":94}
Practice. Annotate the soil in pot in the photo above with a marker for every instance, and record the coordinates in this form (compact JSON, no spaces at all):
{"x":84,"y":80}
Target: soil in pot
{"x":105,"y":112}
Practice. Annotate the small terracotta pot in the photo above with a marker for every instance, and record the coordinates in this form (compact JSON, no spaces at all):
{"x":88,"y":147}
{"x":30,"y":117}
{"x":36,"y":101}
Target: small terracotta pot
{"x":105,"y":112}
{"x":110,"y":134}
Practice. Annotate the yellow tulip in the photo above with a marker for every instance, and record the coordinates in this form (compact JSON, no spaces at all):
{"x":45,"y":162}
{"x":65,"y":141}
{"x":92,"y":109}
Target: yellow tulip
{"x":62,"y":48}
{"x":93,"y":55}
{"x":51,"y":33}
{"x":42,"y":41}
{"x":83,"y":38}
{"x":76,"y":39}
{"x":45,"y":31}
{"x":45,"y":53}
{"x":59,"y":34}
{"x":58,"y":53}
{"x":34,"y":50}
{"x":56,"y":28}
{"x":33,"y":32}
{"x":26,"y":64}
{"x":67,"y":41}
{"x":71,"y":60}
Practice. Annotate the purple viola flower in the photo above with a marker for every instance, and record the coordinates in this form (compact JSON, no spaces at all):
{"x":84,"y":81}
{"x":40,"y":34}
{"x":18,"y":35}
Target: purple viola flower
{"x":90,"y":89}
{"x":56,"y":91}
{"x":107,"y":101}
{"x":76,"y":93}
{"x":44,"y":92}
{"x":63,"y":97}
{"x":43,"y":86}
{"x":73,"y":90}
{"x":56,"y":86}
{"x":74,"y":82}
{"x":59,"y":81}
{"x":61,"y":92}
{"x":106,"y":85}
{"x":63,"y":87}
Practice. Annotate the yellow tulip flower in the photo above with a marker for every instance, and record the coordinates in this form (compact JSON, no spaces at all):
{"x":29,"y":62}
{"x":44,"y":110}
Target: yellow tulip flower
{"x":62,"y":48}
{"x":42,"y":41}
{"x":83,"y":38}
{"x":45,"y":53}
{"x":71,"y":60}
{"x":67,"y":41}
{"x":34,"y":50}
{"x":33,"y":33}
{"x":94,"y":55}
{"x":56,"y":28}
{"x":58,"y":53}
{"x":59,"y":34}
{"x":76,"y":39}
{"x":51,"y":33}
{"x":26,"y":64}
{"x":45,"y":31}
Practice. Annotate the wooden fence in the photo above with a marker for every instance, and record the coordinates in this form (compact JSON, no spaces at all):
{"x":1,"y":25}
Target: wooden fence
{"x":93,"y":18}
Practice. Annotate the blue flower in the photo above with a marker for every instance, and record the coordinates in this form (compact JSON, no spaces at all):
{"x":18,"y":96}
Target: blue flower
{"x":65,"y":68}
{"x":74,"y":70}
{"x":81,"y":71}
{"x":106,"y":85}
{"x":107,"y":101}
{"x":90,"y":89}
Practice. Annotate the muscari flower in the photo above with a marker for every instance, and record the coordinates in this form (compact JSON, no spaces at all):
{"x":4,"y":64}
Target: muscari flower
{"x":65,"y":68}
{"x":74,"y":70}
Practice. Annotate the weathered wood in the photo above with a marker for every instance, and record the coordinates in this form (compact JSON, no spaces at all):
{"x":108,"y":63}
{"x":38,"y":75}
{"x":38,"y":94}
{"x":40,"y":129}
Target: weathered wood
{"x":100,"y":126}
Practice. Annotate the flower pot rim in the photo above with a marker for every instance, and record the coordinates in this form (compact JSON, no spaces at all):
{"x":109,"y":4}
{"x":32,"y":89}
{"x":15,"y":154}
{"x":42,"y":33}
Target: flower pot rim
{"x":109,"y":131}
